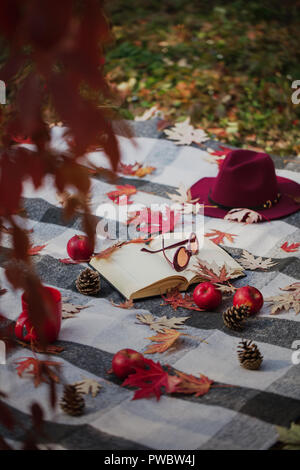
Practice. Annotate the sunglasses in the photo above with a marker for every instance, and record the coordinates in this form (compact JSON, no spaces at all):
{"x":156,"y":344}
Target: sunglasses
{"x":182,"y":255}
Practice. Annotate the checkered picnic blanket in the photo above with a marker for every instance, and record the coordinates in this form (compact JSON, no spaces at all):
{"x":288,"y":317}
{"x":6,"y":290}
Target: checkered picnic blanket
{"x":242,"y":416}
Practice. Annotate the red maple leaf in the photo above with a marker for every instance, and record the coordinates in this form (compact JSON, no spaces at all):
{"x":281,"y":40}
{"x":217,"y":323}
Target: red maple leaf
{"x":191,"y":385}
{"x":40,"y":370}
{"x":122,"y":194}
{"x":129,"y":169}
{"x":176,"y":299}
{"x":150,"y":222}
{"x":34,"y":250}
{"x":292,"y":248}
{"x":217,"y":236}
{"x":151,"y":380}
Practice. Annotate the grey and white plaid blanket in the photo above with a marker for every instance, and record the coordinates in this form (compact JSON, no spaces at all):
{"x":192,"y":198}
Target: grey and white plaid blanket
{"x":241,"y":416}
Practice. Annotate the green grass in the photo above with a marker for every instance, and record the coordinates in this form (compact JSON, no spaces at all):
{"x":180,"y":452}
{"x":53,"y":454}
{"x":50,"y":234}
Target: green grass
{"x":228,"y":65}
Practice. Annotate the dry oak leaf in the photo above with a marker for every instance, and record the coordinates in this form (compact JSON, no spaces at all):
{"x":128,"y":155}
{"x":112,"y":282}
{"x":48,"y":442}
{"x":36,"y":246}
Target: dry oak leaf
{"x":176,"y":299}
{"x":151,"y":380}
{"x":218,"y":237}
{"x":286,"y":301}
{"x":213,"y":273}
{"x":183,"y":133}
{"x":69,"y":310}
{"x":246,"y":216}
{"x":160,"y":324}
{"x":251,"y":262}
{"x":191,"y":385}
{"x":86,"y":386}
{"x":292,"y":248}
{"x":164,"y":341}
{"x":34,"y":250}
{"x":40,"y":370}
{"x":183,"y":196}
{"x":126,"y":305}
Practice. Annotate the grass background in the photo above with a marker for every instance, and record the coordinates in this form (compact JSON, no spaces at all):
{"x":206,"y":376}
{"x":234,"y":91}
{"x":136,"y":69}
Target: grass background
{"x":227,"y":65}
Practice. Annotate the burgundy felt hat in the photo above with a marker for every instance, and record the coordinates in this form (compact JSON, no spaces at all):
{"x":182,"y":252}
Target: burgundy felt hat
{"x":247,"y":179}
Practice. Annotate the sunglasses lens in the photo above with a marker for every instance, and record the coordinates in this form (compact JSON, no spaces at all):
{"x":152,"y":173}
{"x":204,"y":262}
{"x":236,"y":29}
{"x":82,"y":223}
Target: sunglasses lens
{"x":182,"y":258}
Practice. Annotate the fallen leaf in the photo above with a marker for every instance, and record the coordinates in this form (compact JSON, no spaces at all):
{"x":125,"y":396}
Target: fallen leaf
{"x":183,"y":196}
{"x":213,"y":273}
{"x":164,"y":341}
{"x":35,"y":250}
{"x":145,"y":170}
{"x":246,"y":216}
{"x":218,"y":237}
{"x":160,"y":324}
{"x":127,"y":304}
{"x":191,"y":385}
{"x":151,"y":222}
{"x":124,"y":191}
{"x":251,"y":262}
{"x":129,"y":169}
{"x":292,"y":248}
{"x":105,"y":254}
{"x":183,"y":133}
{"x":148,"y":114}
{"x":69,"y":310}
{"x":86,"y":386}
{"x":40,"y":349}
{"x":40,"y":370}
{"x":150,"y":380}
{"x":176,"y":299}
{"x":286,"y":301}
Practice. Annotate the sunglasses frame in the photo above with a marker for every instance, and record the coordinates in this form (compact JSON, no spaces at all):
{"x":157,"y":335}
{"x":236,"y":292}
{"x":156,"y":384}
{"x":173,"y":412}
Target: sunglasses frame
{"x":188,"y":250}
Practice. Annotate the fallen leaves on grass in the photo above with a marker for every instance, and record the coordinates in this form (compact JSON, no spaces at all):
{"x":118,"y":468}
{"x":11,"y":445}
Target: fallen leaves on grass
{"x":191,"y":385}
{"x":251,"y":262}
{"x":160,"y":324}
{"x":286,"y":301}
{"x":151,"y":380}
{"x":218,"y":237}
{"x":86,"y":386}
{"x":292,"y":248}
{"x":246,"y":216}
{"x":175,"y":299}
{"x":41,"y":371}
{"x":183,"y":133}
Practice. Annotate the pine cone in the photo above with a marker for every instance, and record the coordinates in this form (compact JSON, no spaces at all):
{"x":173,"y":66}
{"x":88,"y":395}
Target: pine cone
{"x":72,"y":402}
{"x":234,"y":316}
{"x":88,"y":282}
{"x":249,"y":355}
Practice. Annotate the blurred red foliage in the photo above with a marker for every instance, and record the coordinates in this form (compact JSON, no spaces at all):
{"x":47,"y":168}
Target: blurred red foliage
{"x":55,"y":60}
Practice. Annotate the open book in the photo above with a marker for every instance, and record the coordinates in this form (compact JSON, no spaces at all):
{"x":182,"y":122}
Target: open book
{"x":136,"y":274}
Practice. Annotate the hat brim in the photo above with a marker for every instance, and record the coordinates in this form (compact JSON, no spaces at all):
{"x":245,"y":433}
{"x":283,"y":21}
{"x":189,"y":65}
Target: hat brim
{"x":285,"y":206}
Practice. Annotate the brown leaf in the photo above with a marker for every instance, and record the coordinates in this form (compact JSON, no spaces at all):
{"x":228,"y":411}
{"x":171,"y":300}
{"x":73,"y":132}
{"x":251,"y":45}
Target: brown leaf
{"x":191,"y":385}
{"x":128,"y":304}
{"x":164,"y":341}
{"x":176,"y":299}
{"x":40,"y":370}
{"x":215,"y":274}
{"x":243,"y":215}
{"x":69,"y":310}
{"x":159,"y":324}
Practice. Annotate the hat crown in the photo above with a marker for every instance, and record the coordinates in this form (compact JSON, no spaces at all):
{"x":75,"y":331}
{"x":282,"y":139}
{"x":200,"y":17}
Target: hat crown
{"x":246,"y":179}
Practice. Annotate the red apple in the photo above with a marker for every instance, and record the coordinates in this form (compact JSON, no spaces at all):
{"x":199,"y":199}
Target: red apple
{"x":207,"y":296}
{"x":124,"y":361}
{"x":79,"y":248}
{"x":250,"y":296}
